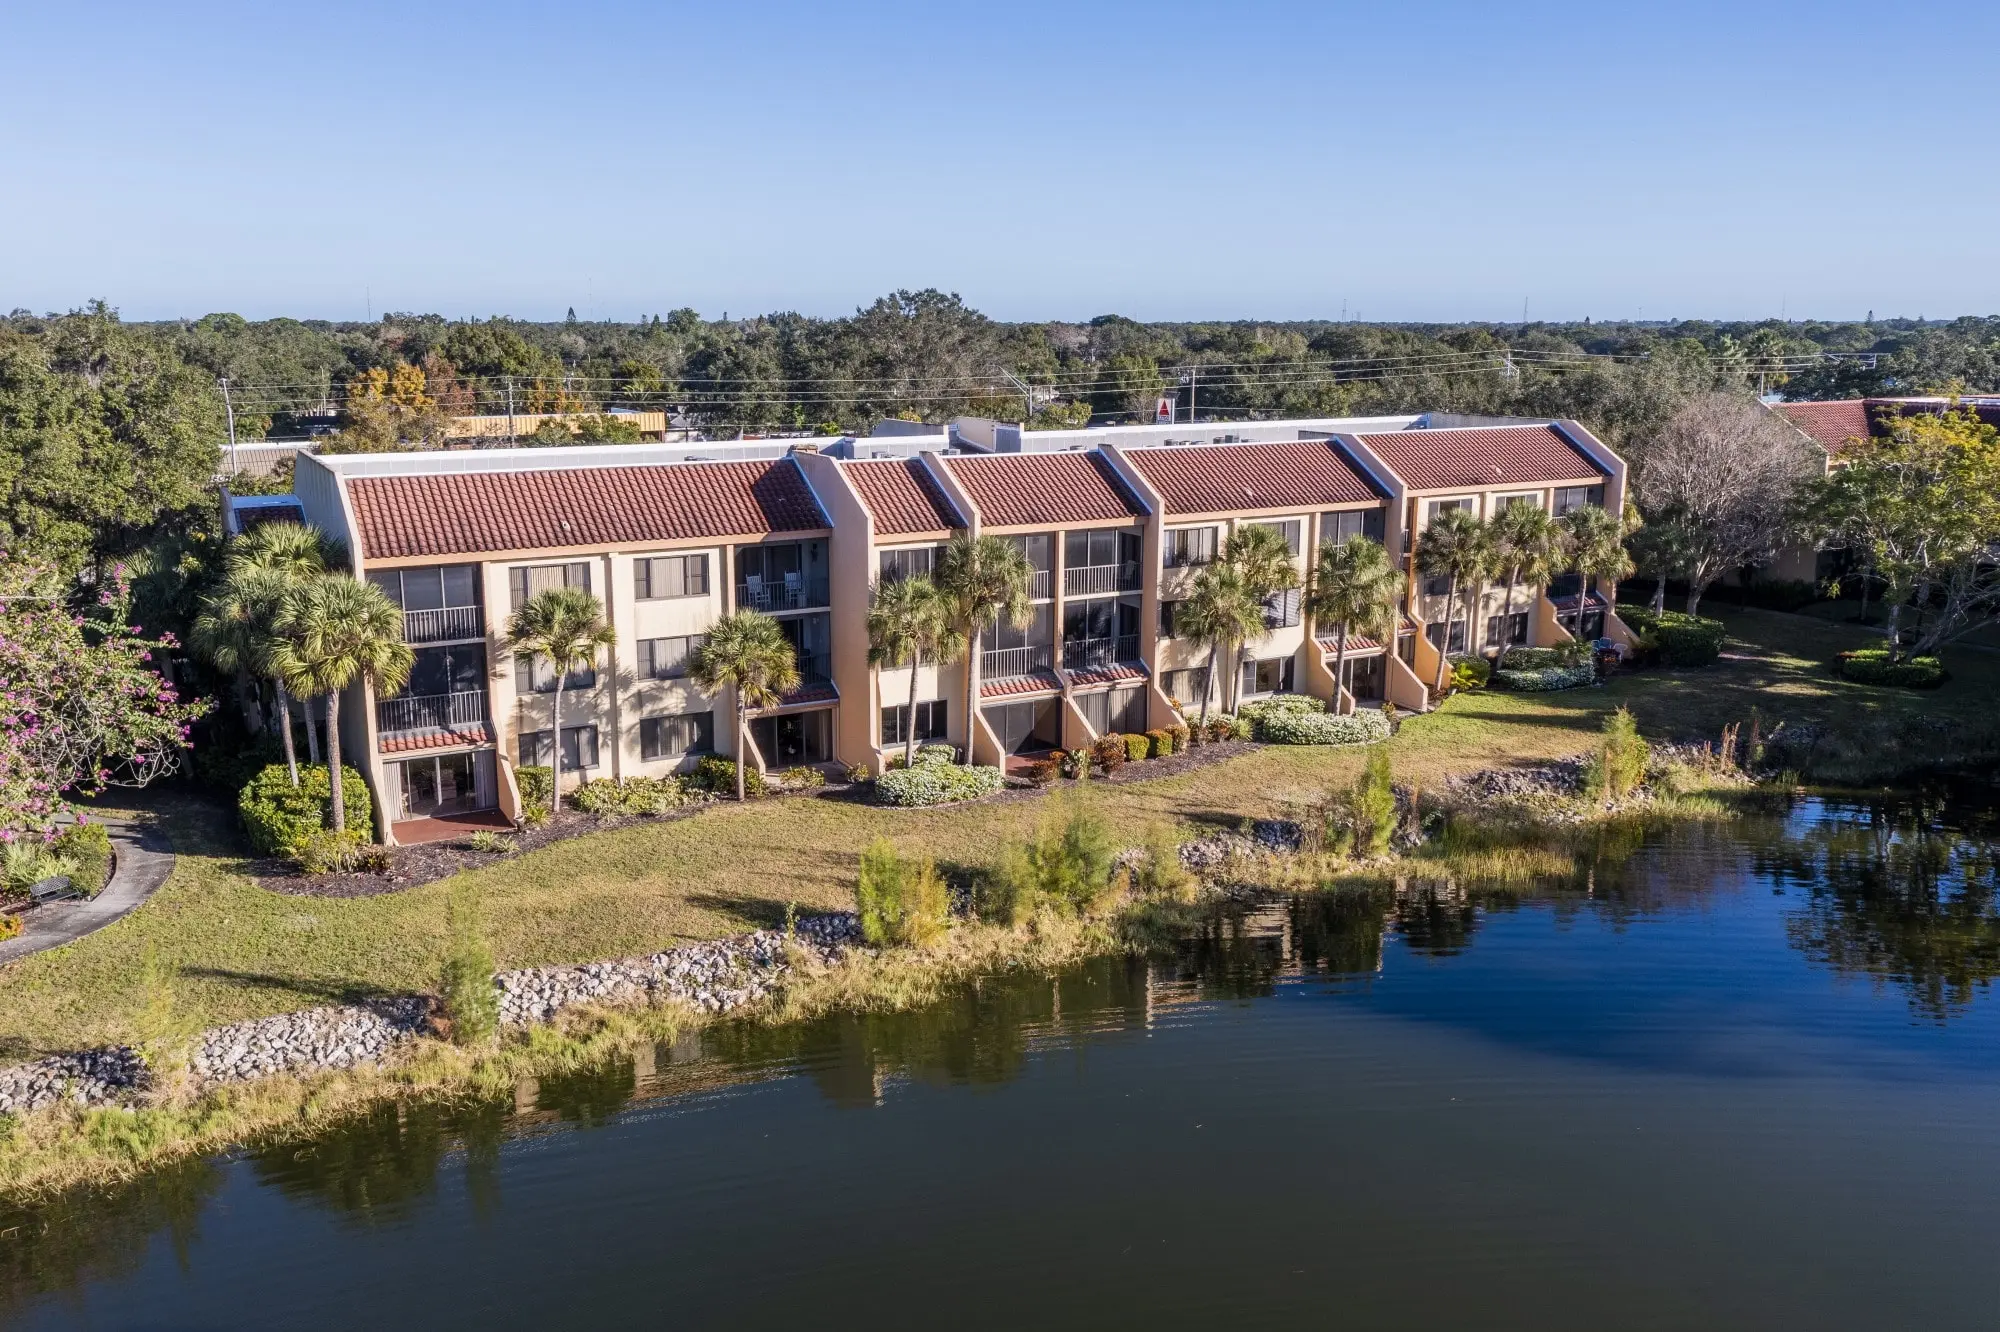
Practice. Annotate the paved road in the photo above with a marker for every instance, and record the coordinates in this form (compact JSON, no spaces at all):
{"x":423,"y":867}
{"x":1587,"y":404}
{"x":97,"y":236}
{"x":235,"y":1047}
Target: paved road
{"x":144,"y":860}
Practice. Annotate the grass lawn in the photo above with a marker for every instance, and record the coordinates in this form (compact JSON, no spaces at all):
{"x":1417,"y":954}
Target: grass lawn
{"x":243,"y":952}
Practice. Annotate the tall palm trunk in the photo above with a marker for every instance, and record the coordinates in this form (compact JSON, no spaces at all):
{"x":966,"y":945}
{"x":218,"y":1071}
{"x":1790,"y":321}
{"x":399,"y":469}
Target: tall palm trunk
{"x":972,"y":692}
{"x":1473,"y":595}
{"x":312,"y":736}
{"x":555,"y":756}
{"x":1340,"y":668}
{"x":1507,"y":610}
{"x":742,"y":742}
{"x":1444,"y":638}
{"x":333,"y":759}
{"x":285,"y":712}
{"x":910,"y":716}
{"x":1208,"y":681}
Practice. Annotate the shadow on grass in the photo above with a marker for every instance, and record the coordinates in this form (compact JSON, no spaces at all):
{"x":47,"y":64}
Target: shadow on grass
{"x":350,"y":992}
{"x":762,"y":913}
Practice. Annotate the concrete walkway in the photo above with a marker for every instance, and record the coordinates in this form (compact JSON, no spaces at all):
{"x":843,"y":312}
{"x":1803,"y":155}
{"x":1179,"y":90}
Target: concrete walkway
{"x":144,"y":859}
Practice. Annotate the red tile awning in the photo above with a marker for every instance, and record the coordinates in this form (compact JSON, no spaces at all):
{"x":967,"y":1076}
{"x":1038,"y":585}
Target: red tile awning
{"x":427,"y":740}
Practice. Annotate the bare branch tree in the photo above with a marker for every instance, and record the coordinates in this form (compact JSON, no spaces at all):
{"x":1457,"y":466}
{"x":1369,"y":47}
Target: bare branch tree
{"x":1722,"y":474}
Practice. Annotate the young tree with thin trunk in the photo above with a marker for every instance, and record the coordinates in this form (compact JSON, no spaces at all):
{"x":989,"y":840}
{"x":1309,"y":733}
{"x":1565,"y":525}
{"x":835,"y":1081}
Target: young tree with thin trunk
{"x":1724,"y":474}
{"x":1220,"y":611}
{"x":749,"y":653}
{"x":908,"y":622}
{"x":1354,"y":588}
{"x":983,"y":581}
{"x":1453,"y":547}
{"x":565,"y":627}
{"x":1528,"y":548}
{"x":334,"y":631}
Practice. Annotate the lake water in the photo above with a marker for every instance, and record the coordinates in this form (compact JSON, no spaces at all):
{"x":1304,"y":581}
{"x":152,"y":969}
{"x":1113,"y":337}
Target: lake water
{"x":1744,"y":1077}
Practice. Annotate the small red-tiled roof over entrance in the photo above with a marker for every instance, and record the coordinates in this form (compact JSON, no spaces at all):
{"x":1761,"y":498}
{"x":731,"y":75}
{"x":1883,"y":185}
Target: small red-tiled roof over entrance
{"x":1230,"y":478}
{"x":1829,"y":424}
{"x":1021,"y":489}
{"x":902,"y":495}
{"x":465,"y":513}
{"x":1471,"y":457}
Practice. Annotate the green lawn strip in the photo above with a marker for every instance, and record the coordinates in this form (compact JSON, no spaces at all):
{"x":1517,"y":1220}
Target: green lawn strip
{"x":244,"y":952}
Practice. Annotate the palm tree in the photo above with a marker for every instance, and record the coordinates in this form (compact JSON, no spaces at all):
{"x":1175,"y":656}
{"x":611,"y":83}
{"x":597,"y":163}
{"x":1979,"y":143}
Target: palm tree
{"x":1221,"y":612}
{"x":1354,"y":587}
{"x":747,"y":651}
{"x":333,"y":631}
{"x":236,"y":627}
{"x":1453,"y":547}
{"x":565,"y":626}
{"x":1596,"y":544}
{"x":907,"y":621}
{"x":1527,"y":546}
{"x":1261,"y":555}
{"x":983,"y":580}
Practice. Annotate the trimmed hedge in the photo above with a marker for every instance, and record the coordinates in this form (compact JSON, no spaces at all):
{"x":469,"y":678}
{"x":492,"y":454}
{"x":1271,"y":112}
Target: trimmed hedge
{"x":1872,"y":666}
{"x":636,"y":795}
{"x":1546,"y":679}
{"x":936,"y":784}
{"x":1324,"y":728}
{"x":1683,"y":640}
{"x":717,"y":775}
{"x":282,"y":818}
{"x":1138,"y":748}
{"x":1544,"y":658}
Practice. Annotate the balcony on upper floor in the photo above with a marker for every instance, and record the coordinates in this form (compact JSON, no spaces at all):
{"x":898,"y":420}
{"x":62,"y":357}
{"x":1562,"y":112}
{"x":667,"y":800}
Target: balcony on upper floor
{"x":430,"y":712}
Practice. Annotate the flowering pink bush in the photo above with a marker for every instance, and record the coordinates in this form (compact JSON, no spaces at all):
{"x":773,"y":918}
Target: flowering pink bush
{"x":82,"y":706}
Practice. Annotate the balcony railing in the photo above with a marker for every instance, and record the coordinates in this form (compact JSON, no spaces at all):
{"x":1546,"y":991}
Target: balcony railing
{"x":999,"y":663}
{"x":1094,"y":654}
{"x":790,"y":595}
{"x":1041,"y":584}
{"x":814,"y":667}
{"x":430,"y":712}
{"x":1082,"y":580}
{"x":443,"y":625}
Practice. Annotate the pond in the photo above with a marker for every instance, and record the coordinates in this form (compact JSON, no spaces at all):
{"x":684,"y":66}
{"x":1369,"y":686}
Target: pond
{"x":1742,"y":1075}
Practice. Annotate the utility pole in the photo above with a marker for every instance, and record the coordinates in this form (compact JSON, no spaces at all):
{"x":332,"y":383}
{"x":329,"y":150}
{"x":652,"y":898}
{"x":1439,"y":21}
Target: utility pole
{"x":1194,"y":377}
{"x":1027,"y":396}
{"x":510,"y":409}
{"x":229,"y":411}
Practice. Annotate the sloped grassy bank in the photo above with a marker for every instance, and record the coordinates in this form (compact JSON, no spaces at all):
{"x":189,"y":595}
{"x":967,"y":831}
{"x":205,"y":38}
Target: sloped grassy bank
{"x":1057,"y":899}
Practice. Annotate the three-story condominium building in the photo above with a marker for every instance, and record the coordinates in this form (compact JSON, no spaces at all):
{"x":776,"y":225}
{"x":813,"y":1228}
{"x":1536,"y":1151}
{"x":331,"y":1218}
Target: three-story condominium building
{"x":1115,"y":524}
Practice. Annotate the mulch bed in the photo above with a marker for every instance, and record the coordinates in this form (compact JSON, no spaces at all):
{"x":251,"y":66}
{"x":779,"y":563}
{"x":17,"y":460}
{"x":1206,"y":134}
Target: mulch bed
{"x":414,"y":866}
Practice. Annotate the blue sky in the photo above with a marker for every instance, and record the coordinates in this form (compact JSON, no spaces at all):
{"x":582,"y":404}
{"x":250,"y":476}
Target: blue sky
{"x":1165,"y":161}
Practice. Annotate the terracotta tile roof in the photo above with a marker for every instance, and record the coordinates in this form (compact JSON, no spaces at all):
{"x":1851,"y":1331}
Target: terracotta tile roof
{"x":1830,"y":424}
{"x":1355,"y":643}
{"x":1226,"y":478}
{"x":1038,"y":682}
{"x":481,"y":734}
{"x":1476,"y":456}
{"x":462,"y":513}
{"x":1018,"y":489}
{"x":902,"y":496}
{"x":812,"y":691}
{"x":1105,"y":675}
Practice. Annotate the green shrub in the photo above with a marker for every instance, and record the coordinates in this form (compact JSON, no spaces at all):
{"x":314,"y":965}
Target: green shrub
{"x":1138,"y":748}
{"x":801,"y":778}
{"x":633,"y":796}
{"x":25,"y":862}
{"x":489,"y":842}
{"x":1374,"y":806}
{"x":1158,"y":875}
{"x":1547,"y":679}
{"x":1470,"y":672}
{"x":856,"y":773}
{"x":10,"y":928}
{"x":536,"y":782}
{"x":465,"y":985}
{"x":1682,"y":640}
{"x":717,"y":776}
{"x":1574,"y":653}
{"x":1872,"y":666}
{"x":279,"y":817}
{"x":1066,"y":866}
{"x":1180,"y":735}
{"x":936,"y":784}
{"x":1278,"y":705}
{"x":899,"y":901}
{"x":88,"y":845}
{"x":936,"y":752}
{"x":330,"y":852}
{"x":1297,"y":727}
{"x":1619,"y":765}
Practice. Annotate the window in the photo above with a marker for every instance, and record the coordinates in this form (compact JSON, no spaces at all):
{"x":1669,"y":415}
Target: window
{"x":667,"y":658}
{"x":909,"y":562}
{"x":1290,"y":529}
{"x":1507,"y":630}
{"x":1435,"y":632}
{"x":526,"y":580}
{"x":532,"y":675}
{"x":1338,"y":527}
{"x":1532,"y":498}
{"x":1273,"y":675}
{"x":1281,"y":609}
{"x":1187,"y":546}
{"x":1445,"y":506}
{"x":671,"y":736}
{"x":458,"y":669}
{"x":670,"y":576}
{"x":930,"y":722}
{"x":1168,"y":609}
{"x":1187,"y":686}
{"x":1441,"y":586}
{"x":1577,"y":497}
{"x":436,"y":588}
{"x":579,"y":748}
